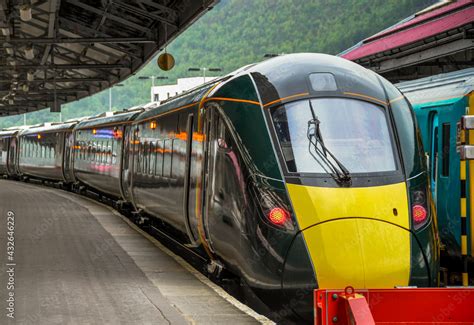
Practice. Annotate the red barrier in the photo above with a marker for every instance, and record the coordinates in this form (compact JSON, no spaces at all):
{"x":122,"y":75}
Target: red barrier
{"x":394,"y":306}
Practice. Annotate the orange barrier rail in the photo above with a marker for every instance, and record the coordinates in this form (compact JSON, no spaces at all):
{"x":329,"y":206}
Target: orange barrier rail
{"x":394,"y":306}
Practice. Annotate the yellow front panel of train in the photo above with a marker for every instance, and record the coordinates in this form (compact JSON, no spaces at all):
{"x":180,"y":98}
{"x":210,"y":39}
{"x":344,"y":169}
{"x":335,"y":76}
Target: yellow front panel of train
{"x":356,"y":236}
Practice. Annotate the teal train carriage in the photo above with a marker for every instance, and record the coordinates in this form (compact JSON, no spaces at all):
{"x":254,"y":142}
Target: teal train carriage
{"x":439,"y":103}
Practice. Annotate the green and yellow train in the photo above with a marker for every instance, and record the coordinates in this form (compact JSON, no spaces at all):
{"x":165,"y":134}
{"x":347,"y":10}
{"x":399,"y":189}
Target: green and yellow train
{"x":304,"y":171}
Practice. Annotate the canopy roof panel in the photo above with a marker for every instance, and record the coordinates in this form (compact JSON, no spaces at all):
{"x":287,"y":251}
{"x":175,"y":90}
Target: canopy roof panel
{"x":436,"y":40}
{"x":70,"y":49}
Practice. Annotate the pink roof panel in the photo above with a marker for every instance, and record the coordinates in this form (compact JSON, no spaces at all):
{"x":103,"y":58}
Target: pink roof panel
{"x":414,"y":34}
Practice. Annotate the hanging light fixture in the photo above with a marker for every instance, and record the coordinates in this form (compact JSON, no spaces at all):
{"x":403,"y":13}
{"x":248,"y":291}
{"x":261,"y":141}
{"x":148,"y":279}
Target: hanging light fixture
{"x":10,"y":101}
{"x":29,"y":52}
{"x":25,"y":12}
{"x":30,"y":75}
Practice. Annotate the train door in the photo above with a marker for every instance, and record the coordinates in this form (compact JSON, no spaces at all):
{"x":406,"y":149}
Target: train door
{"x":193,"y":164}
{"x":126,"y":160}
{"x":12,"y":156}
{"x":434,"y":152}
{"x":225,"y":189}
{"x":67,"y":156}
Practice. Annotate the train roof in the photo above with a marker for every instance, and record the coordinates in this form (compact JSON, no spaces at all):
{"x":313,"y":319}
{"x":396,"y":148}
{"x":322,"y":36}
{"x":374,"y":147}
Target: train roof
{"x":8,"y":133}
{"x":115,"y":118}
{"x":11,"y":131}
{"x":48,"y":127}
{"x":289,"y":77}
{"x":190,"y":97}
{"x":446,"y":87}
{"x":286,"y":76}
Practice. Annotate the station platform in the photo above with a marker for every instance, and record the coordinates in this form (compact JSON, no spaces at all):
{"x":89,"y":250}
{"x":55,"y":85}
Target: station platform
{"x":77,"y":261}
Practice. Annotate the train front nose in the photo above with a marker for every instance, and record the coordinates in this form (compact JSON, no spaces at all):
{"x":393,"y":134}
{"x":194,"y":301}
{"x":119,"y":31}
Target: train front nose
{"x":355,"y":236}
{"x":361,"y":252}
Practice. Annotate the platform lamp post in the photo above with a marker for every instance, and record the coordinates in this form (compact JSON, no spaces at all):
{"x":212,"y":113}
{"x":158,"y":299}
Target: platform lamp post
{"x":204,"y":70}
{"x":110,"y":95}
{"x":153,"y":78}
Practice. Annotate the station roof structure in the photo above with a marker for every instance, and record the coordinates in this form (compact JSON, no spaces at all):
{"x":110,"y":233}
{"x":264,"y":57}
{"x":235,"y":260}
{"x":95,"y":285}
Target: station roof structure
{"x":58,"y":51}
{"x":436,"y":40}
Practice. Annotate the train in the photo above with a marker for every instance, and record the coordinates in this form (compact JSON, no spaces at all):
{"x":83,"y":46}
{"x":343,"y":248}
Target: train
{"x":303,"y":171}
{"x":439,"y":103}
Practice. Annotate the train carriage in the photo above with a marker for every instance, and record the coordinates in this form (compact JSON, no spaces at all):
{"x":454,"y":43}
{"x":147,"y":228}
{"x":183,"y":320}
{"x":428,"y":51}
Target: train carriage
{"x":300,"y":172}
{"x":98,"y":151}
{"x":439,"y":103}
{"x":44,"y":152}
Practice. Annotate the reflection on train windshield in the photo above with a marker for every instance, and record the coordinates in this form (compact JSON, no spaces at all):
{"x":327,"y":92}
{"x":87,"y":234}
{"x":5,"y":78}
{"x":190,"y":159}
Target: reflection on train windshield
{"x":354,"y":131}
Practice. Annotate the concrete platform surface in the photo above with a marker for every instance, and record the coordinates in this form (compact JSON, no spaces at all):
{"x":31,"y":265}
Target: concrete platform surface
{"x":76,"y":261}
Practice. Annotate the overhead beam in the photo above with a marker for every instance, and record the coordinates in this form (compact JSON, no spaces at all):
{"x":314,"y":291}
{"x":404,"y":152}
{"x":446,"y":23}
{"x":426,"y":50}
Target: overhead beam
{"x":65,"y":66}
{"x":58,"y":80}
{"x":150,"y":14}
{"x":108,"y":15}
{"x":103,"y":40}
{"x":53,"y":9}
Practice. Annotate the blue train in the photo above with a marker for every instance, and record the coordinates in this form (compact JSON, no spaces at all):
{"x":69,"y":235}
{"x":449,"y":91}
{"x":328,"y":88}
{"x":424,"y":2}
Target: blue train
{"x":439,"y":103}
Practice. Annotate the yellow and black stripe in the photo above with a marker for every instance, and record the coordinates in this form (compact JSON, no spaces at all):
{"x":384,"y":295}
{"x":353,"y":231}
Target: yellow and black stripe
{"x":463,"y":203}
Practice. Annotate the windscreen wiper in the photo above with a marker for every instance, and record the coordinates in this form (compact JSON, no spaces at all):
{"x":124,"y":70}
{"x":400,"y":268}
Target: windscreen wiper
{"x":336,"y":168}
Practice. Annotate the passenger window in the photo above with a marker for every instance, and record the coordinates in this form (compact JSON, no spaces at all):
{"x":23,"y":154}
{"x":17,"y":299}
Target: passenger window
{"x":139,"y":158}
{"x":152,"y":159}
{"x":145,"y":158}
{"x":446,"y":148}
{"x":113,"y":154}
{"x":159,"y":158}
{"x":223,"y":135}
{"x":167,"y":157}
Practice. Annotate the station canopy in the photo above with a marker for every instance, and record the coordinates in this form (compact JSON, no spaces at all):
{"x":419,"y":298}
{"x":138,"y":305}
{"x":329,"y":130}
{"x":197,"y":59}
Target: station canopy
{"x":438,"y":39}
{"x":58,"y":51}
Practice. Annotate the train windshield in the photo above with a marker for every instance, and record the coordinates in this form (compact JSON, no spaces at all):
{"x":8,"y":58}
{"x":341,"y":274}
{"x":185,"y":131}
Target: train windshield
{"x":354,"y":132}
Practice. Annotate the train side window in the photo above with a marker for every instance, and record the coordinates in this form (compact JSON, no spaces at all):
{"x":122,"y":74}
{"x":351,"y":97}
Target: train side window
{"x":159,"y":158}
{"x":446,"y":148}
{"x":167,"y":157}
{"x":140,"y":157}
{"x":113,"y":154}
{"x":145,"y":158}
{"x":152,"y":156}
{"x":223,"y":135}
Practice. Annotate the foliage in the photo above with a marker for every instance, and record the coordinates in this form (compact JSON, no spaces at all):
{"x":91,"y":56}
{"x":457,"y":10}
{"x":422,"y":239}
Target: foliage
{"x":239,"y":32}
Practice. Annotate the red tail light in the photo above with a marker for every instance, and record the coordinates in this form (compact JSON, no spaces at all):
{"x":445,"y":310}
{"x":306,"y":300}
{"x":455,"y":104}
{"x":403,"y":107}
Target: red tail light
{"x":419,"y":214}
{"x":278,"y":216}
{"x":419,"y":208}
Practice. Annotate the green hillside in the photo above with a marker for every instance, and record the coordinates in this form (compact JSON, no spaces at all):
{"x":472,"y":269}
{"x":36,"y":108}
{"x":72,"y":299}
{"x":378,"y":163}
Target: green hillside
{"x":238,"y":32}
